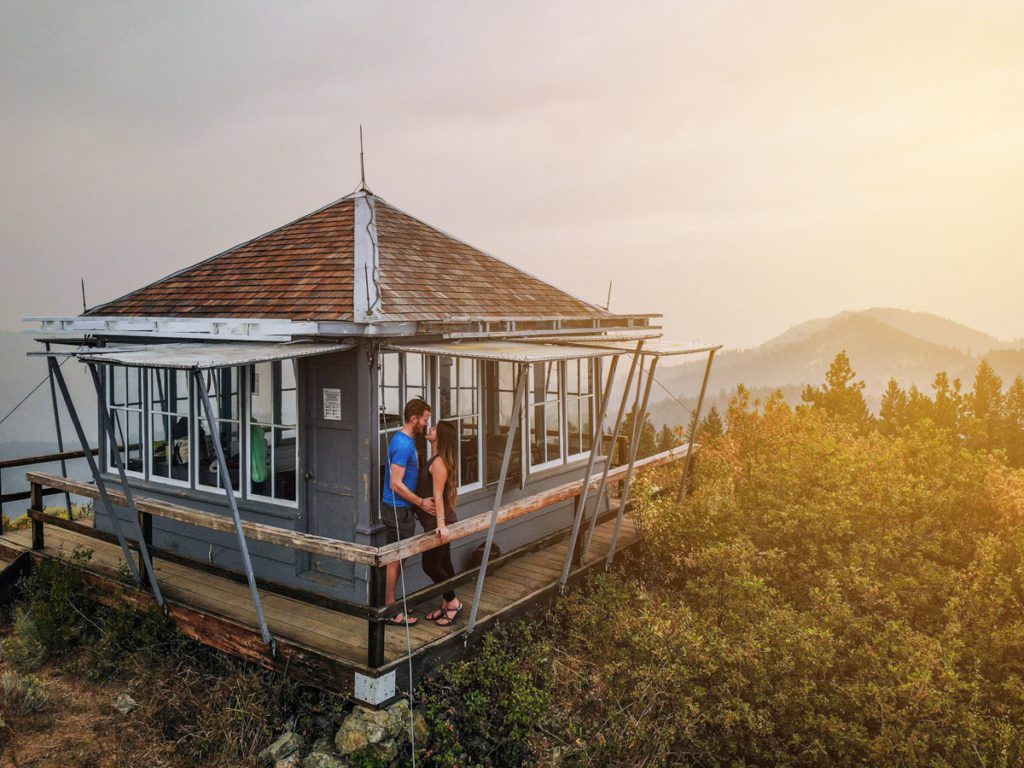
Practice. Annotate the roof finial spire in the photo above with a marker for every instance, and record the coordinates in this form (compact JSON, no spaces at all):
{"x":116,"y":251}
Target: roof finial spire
{"x":362,"y":165}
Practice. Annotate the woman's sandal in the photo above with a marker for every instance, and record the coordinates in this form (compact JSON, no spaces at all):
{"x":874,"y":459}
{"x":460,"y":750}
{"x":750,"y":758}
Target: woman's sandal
{"x":409,"y":621}
{"x":435,"y":614}
{"x":450,"y":615}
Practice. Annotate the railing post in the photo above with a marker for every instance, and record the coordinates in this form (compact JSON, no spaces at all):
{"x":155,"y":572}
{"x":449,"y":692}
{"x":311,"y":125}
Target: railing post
{"x":38,"y":541}
{"x":375,"y":626}
{"x":684,"y":481}
{"x":146,"y":526}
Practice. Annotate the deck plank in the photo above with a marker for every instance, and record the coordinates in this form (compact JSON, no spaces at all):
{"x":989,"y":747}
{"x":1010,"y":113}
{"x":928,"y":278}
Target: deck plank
{"x":336,"y":635}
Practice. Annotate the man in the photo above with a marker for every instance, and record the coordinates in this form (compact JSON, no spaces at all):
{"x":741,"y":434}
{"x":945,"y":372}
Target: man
{"x":400,"y":476}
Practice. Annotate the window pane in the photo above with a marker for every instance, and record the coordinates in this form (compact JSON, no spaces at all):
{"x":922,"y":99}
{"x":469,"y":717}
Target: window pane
{"x":134,"y":387}
{"x":133,"y":461}
{"x":469,"y":451}
{"x":572,"y":377}
{"x":586,"y":376}
{"x":261,"y":393}
{"x":553,"y":436}
{"x":446,"y":386}
{"x":586,"y":423}
{"x":285,"y":463}
{"x":572,"y":416}
{"x":119,"y":385}
{"x":537,"y":448}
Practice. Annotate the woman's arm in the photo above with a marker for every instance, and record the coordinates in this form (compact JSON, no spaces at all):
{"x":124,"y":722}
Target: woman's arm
{"x":439,"y":473}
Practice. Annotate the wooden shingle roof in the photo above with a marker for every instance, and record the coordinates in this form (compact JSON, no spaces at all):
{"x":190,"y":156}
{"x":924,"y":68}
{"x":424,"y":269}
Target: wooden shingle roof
{"x":305,"y":271}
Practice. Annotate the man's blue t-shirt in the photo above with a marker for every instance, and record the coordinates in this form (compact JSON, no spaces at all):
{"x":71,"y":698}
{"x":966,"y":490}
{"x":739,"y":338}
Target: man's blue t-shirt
{"x":401,"y":452}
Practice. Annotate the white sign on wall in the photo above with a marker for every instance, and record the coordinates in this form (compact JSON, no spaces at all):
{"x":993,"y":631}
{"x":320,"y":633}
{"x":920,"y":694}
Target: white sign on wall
{"x":332,"y":404}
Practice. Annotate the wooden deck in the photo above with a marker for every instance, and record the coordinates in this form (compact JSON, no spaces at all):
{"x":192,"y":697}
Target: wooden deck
{"x":317,"y":645}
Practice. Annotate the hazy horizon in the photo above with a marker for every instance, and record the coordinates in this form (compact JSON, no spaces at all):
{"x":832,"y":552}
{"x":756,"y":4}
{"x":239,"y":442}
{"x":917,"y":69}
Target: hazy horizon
{"x":739,"y":168}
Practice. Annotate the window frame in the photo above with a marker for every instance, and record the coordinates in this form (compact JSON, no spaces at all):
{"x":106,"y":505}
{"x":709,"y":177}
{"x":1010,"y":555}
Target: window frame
{"x":591,"y":363}
{"x":113,"y":412}
{"x":151,"y":413}
{"x":531,"y":405}
{"x":276,"y":383}
{"x":199,"y":417}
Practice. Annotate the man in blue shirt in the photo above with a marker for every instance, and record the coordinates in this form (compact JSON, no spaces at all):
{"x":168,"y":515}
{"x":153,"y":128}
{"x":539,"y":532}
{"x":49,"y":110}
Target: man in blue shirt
{"x":401,"y":474}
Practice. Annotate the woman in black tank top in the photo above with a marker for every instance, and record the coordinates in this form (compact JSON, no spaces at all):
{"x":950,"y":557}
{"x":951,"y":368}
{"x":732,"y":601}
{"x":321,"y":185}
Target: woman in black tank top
{"x":437,"y":481}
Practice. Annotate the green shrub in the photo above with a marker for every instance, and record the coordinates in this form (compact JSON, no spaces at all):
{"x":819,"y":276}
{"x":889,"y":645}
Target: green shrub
{"x":60,"y":601}
{"x":23,"y":694}
{"x":23,"y":647}
{"x":487,"y":710}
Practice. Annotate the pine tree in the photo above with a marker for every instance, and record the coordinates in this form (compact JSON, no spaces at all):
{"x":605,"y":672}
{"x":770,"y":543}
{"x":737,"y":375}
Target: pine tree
{"x":841,"y":396}
{"x":948,"y":408}
{"x":668,"y":438}
{"x":1014,"y":408}
{"x":893,"y":413}
{"x":919,"y":405}
{"x":986,"y":422}
{"x":711,"y":427}
{"x":648,"y":437}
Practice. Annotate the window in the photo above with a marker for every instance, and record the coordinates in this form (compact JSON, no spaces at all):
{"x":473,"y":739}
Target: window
{"x":273,"y":443}
{"x":499,"y":397}
{"x":459,"y":402}
{"x":125,"y":399}
{"x":545,"y":414}
{"x":170,"y":432}
{"x":223,"y":385}
{"x":579,"y":406}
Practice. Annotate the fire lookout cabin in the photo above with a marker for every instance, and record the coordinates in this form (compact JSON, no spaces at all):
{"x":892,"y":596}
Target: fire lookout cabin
{"x":245,"y":404}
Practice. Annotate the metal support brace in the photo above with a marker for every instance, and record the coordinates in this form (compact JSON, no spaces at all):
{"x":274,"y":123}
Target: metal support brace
{"x":640,"y":416}
{"x":222,"y":465}
{"x":585,"y":491}
{"x":101,"y":486}
{"x":603,"y":487}
{"x":696,"y":424}
{"x":108,"y":427}
{"x":517,"y":409}
{"x":60,"y":437}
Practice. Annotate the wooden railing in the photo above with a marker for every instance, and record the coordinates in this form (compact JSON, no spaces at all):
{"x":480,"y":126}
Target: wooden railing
{"x":29,"y":461}
{"x":377,"y":558}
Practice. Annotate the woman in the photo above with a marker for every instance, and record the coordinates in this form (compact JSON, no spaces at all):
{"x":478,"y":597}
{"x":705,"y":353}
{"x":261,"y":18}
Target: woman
{"x":438,"y":483}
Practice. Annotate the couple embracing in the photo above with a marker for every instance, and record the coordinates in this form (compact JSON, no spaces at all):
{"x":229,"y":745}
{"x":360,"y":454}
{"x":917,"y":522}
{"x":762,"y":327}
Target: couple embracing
{"x":415,"y":489}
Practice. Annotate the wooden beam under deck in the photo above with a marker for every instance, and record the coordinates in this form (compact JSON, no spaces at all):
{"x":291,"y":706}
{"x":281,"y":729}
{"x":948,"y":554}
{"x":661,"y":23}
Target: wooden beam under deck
{"x":316,"y":645}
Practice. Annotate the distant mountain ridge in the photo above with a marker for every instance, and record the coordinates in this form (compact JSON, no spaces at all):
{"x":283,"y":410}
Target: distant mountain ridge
{"x":881,"y":342}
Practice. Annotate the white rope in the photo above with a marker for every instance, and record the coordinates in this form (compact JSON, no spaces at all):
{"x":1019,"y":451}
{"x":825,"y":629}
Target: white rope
{"x":405,"y":604}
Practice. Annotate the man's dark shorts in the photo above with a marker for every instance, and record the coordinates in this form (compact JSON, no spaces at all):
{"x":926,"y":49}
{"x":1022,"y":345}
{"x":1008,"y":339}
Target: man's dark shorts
{"x":406,"y":526}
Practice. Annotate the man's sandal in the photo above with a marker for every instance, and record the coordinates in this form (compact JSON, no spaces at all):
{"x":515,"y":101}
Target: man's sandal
{"x":450,"y":615}
{"x":408,"y":621}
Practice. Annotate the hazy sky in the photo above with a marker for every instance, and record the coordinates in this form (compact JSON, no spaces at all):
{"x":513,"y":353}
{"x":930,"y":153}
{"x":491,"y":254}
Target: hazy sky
{"x":740,"y":167}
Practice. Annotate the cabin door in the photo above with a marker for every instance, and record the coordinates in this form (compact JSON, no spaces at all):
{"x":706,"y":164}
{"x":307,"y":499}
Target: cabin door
{"x":330,"y":467}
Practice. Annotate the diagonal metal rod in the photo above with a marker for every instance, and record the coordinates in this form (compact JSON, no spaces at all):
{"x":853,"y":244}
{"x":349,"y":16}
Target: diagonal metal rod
{"x":603,"y":487}
{"x":696,"y":423}
{"x":115,"y":453}
{"x":640,"y":416}
{"x":222,"y":465}
{"x":101,"y":486}
{"x":517,"y":407}
{"x":585,"y":491}
{"x":60,"y":437}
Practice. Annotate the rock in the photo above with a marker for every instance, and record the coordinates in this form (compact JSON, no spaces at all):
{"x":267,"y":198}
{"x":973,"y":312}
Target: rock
{"x":123,"y":703}
{"x":421,"y":730}
{"x":322,"y":760}
{"x":379,"y":734}
{"x":287,"y":746}
{"x":349,"y":739}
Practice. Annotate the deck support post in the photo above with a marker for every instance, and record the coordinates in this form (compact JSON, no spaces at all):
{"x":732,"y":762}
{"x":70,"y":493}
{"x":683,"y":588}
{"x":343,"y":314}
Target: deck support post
{"x":506,"y":459}
{"x":60,"y":437}
{"x":145,"y":569}
{"x":38,"y":541}
{"x":97,"y":477}
{"x":696,"y":423}
{"x":581,"y":505}
{"x":639,"y":417}
{"x":222,"y":465}
{"x":375,"y":626}
{"x":602,"y":489}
